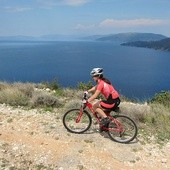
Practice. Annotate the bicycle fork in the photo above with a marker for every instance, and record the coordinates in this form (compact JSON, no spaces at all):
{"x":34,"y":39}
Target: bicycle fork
{"x":79,"y":115}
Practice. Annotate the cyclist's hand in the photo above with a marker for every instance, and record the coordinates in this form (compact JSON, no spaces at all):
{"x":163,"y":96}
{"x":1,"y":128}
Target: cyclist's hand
{"x":84,"y":101}
{"x":86,"y":92}
{"x":85,"y":95}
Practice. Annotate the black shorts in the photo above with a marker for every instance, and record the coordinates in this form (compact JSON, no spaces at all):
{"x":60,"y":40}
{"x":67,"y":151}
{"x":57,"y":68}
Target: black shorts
{"x":110,"y":103}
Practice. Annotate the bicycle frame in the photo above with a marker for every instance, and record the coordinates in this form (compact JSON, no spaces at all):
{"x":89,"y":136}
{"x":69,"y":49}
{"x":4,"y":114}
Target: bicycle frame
{"x":119,"y":127}
{"x":87,"y":104}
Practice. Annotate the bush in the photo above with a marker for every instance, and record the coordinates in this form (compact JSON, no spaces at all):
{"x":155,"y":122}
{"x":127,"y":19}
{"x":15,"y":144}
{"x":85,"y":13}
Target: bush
{"x":72,"y":104}
{"x":84,"y":86}
{"x":158,"y":121}
{"x":162,"y":98}
{"x":14,"y":97}
{"x":53,"y":85}
{"x":16,"y":94}
{"x":26,"y":88}
{"x":44,"y":99}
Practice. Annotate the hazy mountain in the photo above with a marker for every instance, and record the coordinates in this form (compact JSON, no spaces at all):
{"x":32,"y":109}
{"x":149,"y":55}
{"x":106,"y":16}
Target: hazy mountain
{"x":91,"y":37}
{"x":163,"y":44}
{"x":17,"y":38}
{"x":130,"y":37}
{"x":55,"y":37}
{"x":120,"y":38}
{"x":58,"y":37}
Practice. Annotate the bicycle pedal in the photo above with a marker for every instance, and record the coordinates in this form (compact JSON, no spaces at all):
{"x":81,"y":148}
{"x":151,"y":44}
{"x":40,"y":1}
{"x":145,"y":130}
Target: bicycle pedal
{"x":103,"y":130}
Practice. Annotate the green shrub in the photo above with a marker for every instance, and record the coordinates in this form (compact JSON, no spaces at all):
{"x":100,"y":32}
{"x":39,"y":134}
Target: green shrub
{"x":70,"y":93}
{"x":53,"y":85}
{"x":84,"y":86}
{"x":163,"y":98}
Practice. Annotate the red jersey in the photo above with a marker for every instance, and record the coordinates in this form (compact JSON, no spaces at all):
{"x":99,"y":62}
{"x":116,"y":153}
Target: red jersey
{"x":107,"y":89}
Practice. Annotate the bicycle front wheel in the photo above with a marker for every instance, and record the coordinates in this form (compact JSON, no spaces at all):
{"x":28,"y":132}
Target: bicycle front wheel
{"x":76,"y":122}
{"x":122,"y":129}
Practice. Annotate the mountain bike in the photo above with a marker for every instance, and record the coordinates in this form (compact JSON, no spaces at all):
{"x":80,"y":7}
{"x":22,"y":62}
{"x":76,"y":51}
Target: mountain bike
{"x":121,"y":128}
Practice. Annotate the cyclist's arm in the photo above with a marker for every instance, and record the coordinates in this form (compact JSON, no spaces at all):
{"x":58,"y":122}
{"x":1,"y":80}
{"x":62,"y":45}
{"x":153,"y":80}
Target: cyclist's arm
{"x":92,"y":89}
{"x":94,"y":96}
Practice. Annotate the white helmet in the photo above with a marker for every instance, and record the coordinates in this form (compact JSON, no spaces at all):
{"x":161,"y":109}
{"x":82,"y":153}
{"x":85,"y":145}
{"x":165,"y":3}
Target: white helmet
{"x":96,"y":72}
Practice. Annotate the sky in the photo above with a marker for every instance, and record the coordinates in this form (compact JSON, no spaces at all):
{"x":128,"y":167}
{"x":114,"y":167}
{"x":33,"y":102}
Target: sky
{"x":83,"y":17}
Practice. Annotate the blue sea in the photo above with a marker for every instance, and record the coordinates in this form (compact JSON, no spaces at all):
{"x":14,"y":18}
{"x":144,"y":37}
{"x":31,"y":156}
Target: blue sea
{"x":137,"y":73}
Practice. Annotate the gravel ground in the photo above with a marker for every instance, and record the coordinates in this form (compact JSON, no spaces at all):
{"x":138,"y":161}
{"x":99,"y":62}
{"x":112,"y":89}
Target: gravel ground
{"x":36,"y":139}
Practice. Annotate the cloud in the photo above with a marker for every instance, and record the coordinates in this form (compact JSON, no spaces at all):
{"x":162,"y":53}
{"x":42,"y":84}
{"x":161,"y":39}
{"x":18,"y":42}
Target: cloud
{"x":75,"y":2}
{"x":51,"y":3}
{"x":16,"y":9}
{"x":84,"y":27}
{"x":46,"y":4}
{"x":130,"y":23}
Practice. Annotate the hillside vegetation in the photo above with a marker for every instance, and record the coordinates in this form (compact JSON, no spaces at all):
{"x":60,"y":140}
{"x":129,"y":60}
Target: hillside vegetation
{"x":157,"y":45}
{"x":152,"y":117}
{"x":131,"y":37}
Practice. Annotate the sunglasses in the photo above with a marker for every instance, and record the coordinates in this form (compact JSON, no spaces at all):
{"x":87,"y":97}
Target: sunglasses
{"x":96,"y":76}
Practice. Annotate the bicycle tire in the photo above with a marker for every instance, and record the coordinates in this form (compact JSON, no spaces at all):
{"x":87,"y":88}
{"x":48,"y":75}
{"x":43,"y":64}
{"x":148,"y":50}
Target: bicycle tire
{"x":69,"y":121}
{"x":123,"y":129}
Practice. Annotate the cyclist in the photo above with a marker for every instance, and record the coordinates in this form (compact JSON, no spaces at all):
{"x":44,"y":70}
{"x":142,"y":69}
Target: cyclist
{"x":105,"y":88}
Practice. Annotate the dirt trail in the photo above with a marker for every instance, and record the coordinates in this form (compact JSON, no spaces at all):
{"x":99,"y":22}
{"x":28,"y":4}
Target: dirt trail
{"x":33,"y":139}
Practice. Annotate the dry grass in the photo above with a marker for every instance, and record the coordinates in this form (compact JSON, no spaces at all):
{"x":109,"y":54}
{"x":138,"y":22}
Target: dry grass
{"x":72,"y":104}
{"x":4,"y":85}
{"x":44,"y":99}
{"x":159,"y":121}
{"x":13,"y":96}
{"x":151,"y":119}
{"x":136,"y":111}
{"x":24,"y":94}
{"x":26,"y":88}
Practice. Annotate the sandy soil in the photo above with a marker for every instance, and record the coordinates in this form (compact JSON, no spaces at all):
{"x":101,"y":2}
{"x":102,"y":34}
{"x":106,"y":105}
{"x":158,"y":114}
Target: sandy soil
{"x":35,"y":139}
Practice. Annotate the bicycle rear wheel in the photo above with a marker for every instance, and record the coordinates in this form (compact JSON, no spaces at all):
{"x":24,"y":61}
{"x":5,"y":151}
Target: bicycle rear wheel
{"x":74,"y":122}
{"x":122,"y":129}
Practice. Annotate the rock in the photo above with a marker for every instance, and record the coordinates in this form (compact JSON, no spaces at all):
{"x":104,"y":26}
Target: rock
{"x":164,"y":160}
{"x":47,"y":89}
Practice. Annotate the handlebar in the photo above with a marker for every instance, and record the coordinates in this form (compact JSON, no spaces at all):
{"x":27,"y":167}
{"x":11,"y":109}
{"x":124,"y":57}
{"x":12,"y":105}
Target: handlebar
{"x":85,"y":102}
{"x":85,"y":96}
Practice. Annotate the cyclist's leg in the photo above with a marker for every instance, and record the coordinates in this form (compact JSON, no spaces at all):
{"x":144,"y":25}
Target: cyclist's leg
{"x":97,"y":108}
{"x":107,"y":105}
{"x":105,"y":120}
